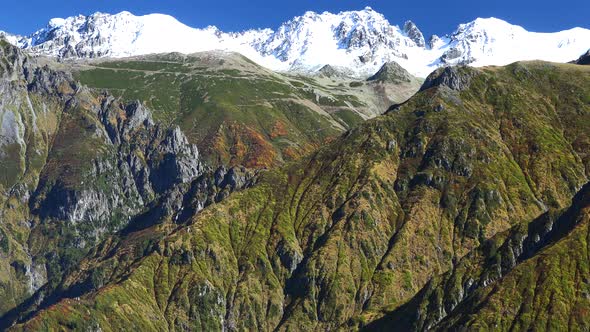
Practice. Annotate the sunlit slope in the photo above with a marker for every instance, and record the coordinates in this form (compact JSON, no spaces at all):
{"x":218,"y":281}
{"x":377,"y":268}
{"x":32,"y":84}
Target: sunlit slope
{"x":359,"y":227}
{"x":240,"y":113}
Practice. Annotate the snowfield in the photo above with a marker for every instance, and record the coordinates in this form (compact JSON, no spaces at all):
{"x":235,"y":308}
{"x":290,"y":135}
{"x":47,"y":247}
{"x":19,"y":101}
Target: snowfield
{"x":357,"y":42}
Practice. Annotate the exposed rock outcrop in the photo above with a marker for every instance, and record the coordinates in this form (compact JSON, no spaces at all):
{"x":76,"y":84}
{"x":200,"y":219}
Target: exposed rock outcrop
{"x":328,"y":71}
{"x":142,"y":161}
{"x":76,"y":166}
{"x":412,"y":31}
{"x":391,"y":72}
{"x":584,"y":59}
{"x":454,"y":78}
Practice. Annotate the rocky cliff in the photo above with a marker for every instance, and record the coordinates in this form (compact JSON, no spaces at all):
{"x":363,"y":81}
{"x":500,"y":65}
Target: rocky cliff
{"x":78,"y":166}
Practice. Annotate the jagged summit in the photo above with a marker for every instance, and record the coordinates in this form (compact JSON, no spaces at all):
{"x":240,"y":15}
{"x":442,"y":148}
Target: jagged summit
{"x":414,"y":33}
{"x":360,"y":41}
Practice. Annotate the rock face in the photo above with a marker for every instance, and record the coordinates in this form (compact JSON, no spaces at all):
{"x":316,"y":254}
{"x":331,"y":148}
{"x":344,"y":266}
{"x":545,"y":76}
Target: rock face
{"x":414,"y":33}
{"x":29,"y":98}
{"x":133,"y":163}
{"x":331,"y":72}
{"x":584,"y":59}
{"x":435,"y":42}
{"x":454,"y":78}
{"x":77,"y":166}
{"x":145,"y":161}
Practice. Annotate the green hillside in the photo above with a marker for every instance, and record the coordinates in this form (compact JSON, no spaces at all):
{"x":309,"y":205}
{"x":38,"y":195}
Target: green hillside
{"x":528,"y":278}
{"x":349,"y":234}
{"x":238,"y":112}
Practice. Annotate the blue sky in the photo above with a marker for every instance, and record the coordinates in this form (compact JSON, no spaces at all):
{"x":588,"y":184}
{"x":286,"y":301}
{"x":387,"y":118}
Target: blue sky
{"x":440,"y":16}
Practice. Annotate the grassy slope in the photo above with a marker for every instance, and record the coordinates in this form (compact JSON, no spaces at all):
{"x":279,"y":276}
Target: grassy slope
{"x":528,"y":278}
{"x":546,"y":292}
{"x":238,"y":112}
{"x":57,"y":145}
{"x":362,"y":224}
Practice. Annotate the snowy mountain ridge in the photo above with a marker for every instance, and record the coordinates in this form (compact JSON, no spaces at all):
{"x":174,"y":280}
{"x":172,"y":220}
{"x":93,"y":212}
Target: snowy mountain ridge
{"x":357,"y":41}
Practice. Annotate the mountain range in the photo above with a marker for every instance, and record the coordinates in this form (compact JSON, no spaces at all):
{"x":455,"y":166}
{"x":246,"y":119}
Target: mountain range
{"x":466,"y":200}
{"x":301,"y":179}
{"x":356,"y":42}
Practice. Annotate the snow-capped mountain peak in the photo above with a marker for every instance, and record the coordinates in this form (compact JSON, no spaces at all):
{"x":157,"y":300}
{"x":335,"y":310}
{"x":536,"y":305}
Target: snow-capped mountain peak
{"x":412,"y":31}
{"x":118,"y":35}
{"x":56,"y":23}
{"x":359,"y":41}
{"x":492,"y":41}
{"x":13,"y":39}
